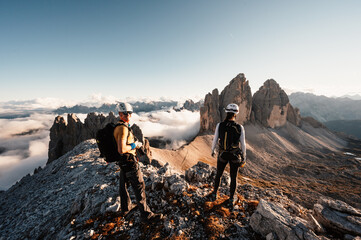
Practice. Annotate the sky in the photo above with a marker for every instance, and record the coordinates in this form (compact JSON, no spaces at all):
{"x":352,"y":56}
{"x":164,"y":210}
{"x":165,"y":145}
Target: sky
{"x":76,"y":49}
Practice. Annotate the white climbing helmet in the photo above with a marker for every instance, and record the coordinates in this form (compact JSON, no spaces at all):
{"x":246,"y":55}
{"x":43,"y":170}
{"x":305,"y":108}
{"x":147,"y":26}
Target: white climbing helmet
{"x":123,"y":107}
{"x":233,"y":108}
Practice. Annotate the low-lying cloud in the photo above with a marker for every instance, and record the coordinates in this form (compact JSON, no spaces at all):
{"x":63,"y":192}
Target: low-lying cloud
{"x":25,"y":143}
{"x":172,"y":125}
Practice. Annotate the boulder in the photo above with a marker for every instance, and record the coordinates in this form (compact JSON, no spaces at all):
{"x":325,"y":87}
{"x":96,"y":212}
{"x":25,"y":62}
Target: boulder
{"x":200,"y":172}
{"x":271,"y":105}
{"x":237,"y":91}
{"x":273,"y":221}
{"x":338,"y":216}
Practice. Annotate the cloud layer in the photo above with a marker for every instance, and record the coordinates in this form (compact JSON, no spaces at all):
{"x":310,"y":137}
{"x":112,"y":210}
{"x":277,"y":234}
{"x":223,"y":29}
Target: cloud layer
{"x":25,"y":143}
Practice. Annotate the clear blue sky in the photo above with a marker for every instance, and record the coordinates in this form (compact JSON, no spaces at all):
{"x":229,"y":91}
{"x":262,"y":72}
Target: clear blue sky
{"x":73,"y":49}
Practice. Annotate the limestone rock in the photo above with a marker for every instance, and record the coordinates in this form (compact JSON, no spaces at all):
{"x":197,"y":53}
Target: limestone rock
{"x":237,"y":91}
{"x":199,"y":172}
{"x":272,"y":219}
{"x":210,"y":115}
{"x":338,"y":216}
{"x":271,"y":106}
{"x":293,"y":115}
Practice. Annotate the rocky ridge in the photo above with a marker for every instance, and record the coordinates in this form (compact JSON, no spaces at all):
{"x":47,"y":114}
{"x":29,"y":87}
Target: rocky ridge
{"x":75,"y":197}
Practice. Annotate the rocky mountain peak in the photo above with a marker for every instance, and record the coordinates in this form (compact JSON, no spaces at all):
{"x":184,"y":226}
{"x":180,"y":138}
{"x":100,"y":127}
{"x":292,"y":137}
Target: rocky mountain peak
{"x":237,"y":91}
{"x":271,"y":106}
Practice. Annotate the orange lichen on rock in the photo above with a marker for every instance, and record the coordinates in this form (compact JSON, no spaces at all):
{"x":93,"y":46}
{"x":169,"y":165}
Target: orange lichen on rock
{"x":208,"y":206}
{"x":178,"y":237}
{"x":213,"y":227}
{"x":108,"y":227}
{"x":225,"y":212}
{"x":196,"y":213}
{"x":187,"y":194}
{"x":192,"y":188}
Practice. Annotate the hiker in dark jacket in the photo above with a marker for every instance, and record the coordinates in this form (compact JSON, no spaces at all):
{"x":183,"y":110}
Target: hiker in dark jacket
{"x":129,"y":166}
{"x":229,"y":135}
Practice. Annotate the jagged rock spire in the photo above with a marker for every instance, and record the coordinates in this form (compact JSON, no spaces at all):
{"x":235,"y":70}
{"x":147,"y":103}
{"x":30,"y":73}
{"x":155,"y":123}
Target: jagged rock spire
{"x":271,"y":106}
{"x":237,"y":91}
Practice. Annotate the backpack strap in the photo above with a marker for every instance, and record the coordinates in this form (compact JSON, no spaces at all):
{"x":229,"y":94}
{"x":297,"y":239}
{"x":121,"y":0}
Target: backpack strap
{"x":126,"y":125}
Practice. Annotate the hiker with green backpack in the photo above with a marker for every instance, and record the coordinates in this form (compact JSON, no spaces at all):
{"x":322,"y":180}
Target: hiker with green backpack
{"x":229,"y":135}
{"x":129,"y":165}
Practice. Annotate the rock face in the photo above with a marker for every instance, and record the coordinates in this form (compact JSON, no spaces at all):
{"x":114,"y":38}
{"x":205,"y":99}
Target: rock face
{"x":273,"y":221}
{"x":210,"y":114}
{"x":338,"y":216}
{"x":271,"y":106}
{"x":65,"y":135}
{"x":237,"y":91}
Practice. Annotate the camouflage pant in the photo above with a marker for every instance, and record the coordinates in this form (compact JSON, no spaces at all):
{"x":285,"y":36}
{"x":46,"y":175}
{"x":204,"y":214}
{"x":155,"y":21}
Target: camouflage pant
{"x":132,"y":175}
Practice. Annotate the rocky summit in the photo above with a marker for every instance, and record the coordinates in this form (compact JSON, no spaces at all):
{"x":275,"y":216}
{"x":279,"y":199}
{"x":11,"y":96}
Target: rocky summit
{"x":76,"y":197}
{"x":237,"y":91}
{"x":269,"y":106}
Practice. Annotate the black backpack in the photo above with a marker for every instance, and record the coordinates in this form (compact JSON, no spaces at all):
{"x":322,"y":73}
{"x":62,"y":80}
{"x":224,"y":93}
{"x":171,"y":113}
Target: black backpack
{"x":106,"y":143}
{"x":229,"y":135}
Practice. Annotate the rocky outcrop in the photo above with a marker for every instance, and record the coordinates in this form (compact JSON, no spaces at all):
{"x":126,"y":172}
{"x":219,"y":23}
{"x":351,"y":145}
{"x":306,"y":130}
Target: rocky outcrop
{"x":294,"y":116}
{"x":273,"y":221}
{"x":338,"y":216}
{"x":210,"y":115}
{"x":237,"y":91}
{"x":65,"y":135}
{"x":271,"y":106}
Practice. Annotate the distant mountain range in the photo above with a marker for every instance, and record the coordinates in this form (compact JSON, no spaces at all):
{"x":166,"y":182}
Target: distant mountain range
{"x":353,"y":97}
{"x":325,"y":108}
{"x":350,"y":127}
{"x":339,"y":114}
{"x":106,"y":108}
{"x":137,"y":107}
